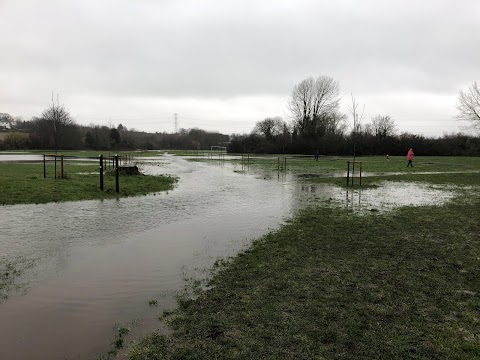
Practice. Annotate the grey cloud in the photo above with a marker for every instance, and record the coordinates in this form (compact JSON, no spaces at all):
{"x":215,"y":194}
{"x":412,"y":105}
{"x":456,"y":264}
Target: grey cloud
{"x":225,"y":49}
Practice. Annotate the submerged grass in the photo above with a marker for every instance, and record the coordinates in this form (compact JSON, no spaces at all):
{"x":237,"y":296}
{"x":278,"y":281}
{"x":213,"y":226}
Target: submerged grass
{"x":10,"y":271}
{"x":456,"y":179}
{"x":121,"y":331}
{"x":24,"y":184}
{"x":335,"y":284}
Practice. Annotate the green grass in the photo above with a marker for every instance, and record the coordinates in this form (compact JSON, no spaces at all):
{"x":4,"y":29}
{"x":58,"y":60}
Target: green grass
{"x":329,"y":164}
{"x":24,"y":184}
{"x":336,"y":284}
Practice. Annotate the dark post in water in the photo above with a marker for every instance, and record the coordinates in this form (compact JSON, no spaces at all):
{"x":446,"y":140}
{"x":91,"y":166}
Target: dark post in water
{"x":348,"y":171}
{"x":101,"y":172}
{"x":117,"y":185}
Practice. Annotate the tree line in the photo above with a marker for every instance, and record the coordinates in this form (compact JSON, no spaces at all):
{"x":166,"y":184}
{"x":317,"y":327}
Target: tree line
{"x":315,"y":123}
{"x":55,"y":129}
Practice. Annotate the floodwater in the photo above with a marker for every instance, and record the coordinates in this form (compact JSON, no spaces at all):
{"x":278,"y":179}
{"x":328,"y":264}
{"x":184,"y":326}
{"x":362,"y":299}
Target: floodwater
{"x":5,"y":157}
{"x":92,"y":264}
{"x":97,"y":263}
{"x":391,"y":195}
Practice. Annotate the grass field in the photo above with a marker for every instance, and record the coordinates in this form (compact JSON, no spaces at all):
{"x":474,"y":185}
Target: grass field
{"x":24,"y":184}
{"x":337,"y":284}
{"x":378,"y":164}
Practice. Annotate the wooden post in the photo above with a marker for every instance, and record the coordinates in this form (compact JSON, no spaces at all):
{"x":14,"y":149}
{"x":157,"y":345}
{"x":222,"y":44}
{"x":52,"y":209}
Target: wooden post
{"x":101,"y":172}
{"x":278,"y":163}
{"x":55,"y":166}
{"x":348,"y":170}
{"x":117,"y":185}
{"x":61,"y":157}
{"x":360,"y":173}
{"x":44,"y":168}
{"x":285,"y":165}
{"x":353,"y":171}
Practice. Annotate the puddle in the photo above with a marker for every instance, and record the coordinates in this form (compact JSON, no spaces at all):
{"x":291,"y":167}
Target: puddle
{"x":392,"y":195}
{"x":387,"y":196}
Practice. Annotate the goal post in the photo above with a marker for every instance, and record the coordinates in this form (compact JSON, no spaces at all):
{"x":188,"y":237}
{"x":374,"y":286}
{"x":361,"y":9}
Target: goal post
{"x":218,"y":149}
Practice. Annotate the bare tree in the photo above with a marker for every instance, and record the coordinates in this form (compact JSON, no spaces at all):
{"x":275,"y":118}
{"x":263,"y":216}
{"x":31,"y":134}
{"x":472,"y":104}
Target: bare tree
{"x":357,"y":120}
{"x":468,"y":106}
{"x":6,"y":120}
{"x":270,"y":128}
{"x":58,"y":118}
{"x":383,"y":126}
{"x":312,"y":102}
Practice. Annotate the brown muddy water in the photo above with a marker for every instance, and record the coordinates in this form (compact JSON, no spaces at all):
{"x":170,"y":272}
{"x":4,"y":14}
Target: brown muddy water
{"x":92,"y":264}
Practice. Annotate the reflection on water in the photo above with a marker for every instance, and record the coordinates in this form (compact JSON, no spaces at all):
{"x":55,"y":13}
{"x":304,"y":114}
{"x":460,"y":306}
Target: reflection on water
{"x":96,"y":263}
{"x":387,"y":196}
{"x":391,"y":195}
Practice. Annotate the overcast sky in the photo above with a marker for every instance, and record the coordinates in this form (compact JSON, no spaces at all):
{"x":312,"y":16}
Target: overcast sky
{"x":224,"y":65}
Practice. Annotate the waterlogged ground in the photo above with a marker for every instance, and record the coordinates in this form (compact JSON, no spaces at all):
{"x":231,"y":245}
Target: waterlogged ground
{"x":387,"y":196}
{"x":76,"y":269}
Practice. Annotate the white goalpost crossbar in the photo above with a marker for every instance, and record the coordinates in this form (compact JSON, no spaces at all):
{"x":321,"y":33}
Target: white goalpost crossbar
{"x":222,"y":149}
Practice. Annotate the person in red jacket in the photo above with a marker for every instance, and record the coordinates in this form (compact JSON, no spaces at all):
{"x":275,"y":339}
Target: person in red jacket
{"x":410,"y":156}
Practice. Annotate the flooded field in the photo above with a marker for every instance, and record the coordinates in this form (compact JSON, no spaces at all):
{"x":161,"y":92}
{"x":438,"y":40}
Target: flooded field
{"x":12,"y":157}
{"x":85,"y":266}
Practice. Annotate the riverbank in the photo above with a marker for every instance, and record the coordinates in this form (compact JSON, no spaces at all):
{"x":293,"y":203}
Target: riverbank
{"x":336,"y":283}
